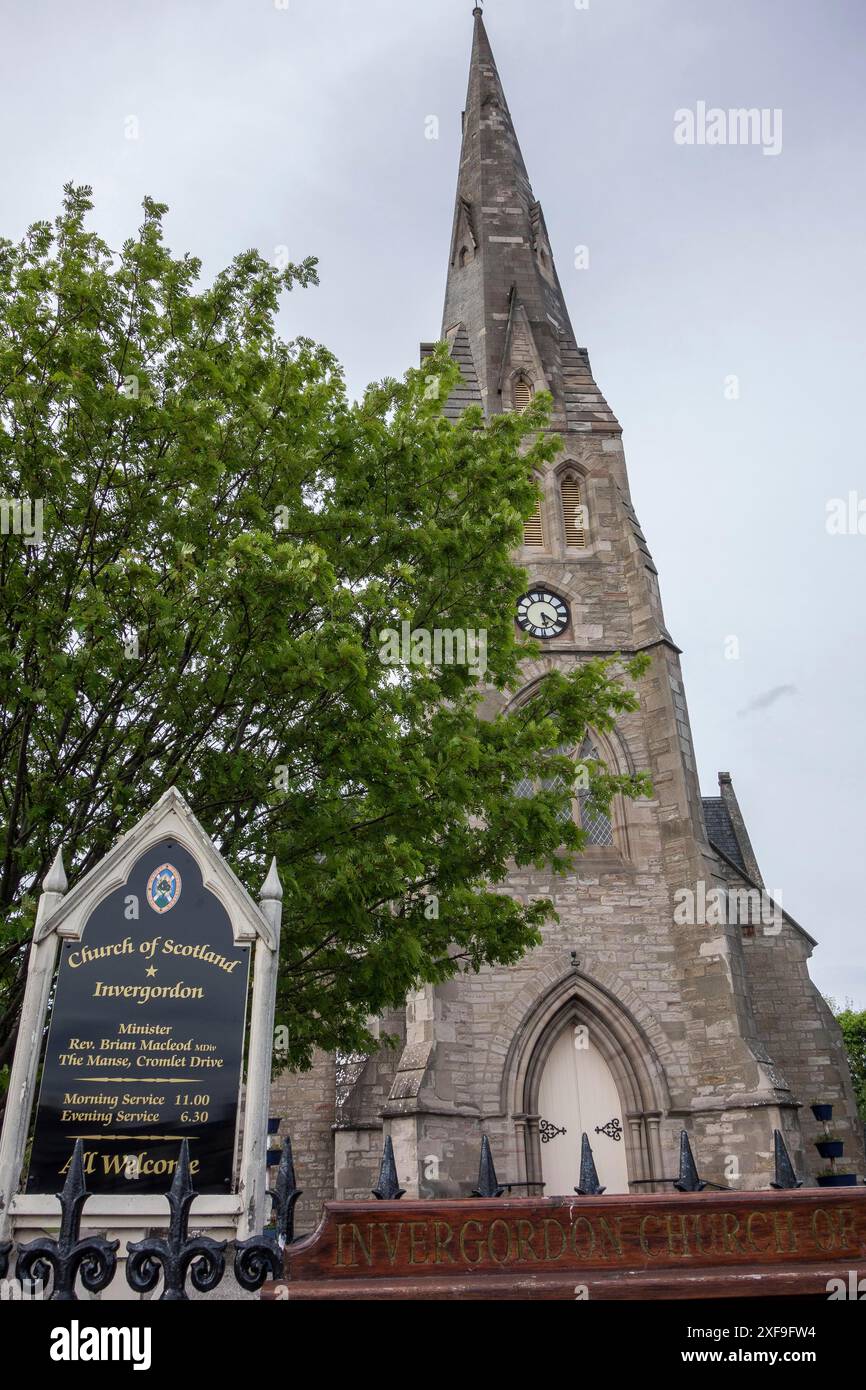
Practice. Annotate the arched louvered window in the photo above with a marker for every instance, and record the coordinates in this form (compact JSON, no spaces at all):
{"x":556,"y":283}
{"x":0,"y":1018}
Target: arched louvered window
{"x":533,"y":530}
{"x":464,"y":257}
{"x":573,"y":513}
{"x":522,"y":394}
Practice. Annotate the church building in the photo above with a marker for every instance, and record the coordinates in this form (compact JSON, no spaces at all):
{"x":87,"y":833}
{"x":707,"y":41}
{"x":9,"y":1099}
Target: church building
{"x":672,"y":993}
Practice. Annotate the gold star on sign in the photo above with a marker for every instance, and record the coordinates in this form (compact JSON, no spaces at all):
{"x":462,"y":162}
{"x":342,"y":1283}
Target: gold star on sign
{"x":151,"y":970}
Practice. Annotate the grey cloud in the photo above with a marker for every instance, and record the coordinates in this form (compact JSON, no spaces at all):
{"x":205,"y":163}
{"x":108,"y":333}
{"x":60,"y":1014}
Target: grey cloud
{"x":769,"y":697}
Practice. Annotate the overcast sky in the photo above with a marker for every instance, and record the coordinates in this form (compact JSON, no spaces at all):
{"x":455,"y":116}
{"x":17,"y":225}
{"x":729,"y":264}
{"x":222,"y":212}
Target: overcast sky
{"x":304,"y":124}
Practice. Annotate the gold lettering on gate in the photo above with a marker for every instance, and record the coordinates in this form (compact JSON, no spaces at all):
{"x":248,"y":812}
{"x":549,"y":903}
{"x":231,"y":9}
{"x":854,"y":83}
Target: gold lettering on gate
{"x":386,"y":1236}
{"x":356,"y":1237}
{"x":847,"y":1236}
{"x":524,"y":1241}
{"x":682,"y":1234}
{"x":341,"y":1232}
{"x":549,"y":1255}
{"x":750,"y":1231}
{"x":475,"y":1239}
{"x":613,"y":1237}
{"x":418,"y":1232}
{"x":583,"y":1254}
{"x":823,"y":1229}
{"x":730,"y":1232}
{"x":442,"y":1252}
{"x":662,"y":1236}
{"x":492,"y":1242}
{"x":644,"y":1232}
{"x":700,"y":1242}
{"x":785,"y":1232}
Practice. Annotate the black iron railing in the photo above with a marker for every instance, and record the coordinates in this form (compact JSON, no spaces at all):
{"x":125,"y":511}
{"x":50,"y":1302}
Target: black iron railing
{"x":177,"y":1258}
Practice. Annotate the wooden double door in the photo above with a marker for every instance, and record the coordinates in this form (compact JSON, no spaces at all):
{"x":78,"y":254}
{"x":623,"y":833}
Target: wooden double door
{"x":578,"y":1094}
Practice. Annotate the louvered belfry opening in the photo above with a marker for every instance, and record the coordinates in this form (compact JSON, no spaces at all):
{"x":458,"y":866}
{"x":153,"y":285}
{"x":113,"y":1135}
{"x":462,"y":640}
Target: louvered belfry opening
{"x":533,"y":529}
{"x":573,"y":515}
{"x":522,"y":395}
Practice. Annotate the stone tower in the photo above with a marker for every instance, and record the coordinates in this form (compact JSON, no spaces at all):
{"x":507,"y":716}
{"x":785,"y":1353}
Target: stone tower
{"x":660,"y":1000}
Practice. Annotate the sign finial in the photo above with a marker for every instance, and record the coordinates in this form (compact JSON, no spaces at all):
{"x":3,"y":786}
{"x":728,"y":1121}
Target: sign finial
{"x":55,"y":879}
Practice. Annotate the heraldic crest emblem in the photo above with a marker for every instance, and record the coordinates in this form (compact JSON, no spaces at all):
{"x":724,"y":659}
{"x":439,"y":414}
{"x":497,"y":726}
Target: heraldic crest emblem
{"x":163,"y":888}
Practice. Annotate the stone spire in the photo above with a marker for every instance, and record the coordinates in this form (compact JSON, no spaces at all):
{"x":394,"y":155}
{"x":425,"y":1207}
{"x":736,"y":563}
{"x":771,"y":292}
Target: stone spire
{"x":505,"y":313}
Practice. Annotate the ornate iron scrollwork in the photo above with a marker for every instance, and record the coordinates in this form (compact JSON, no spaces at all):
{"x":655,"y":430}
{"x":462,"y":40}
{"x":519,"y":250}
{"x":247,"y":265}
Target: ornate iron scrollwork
{"x":179,"y":1254}
{"x":613,"y":1130}
{"x":549,"y":1131}
{"x":261,"y":1257}
{"x":67,"y":1257}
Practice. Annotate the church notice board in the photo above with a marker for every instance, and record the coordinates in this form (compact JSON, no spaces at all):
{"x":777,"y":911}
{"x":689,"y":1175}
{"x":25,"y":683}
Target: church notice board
{"x":653,"y":1246}
{"x":145,"y":1046}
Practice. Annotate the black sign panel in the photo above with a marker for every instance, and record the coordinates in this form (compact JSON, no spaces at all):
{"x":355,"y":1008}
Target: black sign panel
{"x":146,"y":1040}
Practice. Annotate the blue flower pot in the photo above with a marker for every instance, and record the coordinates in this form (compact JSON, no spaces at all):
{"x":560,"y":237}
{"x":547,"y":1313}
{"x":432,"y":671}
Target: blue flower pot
{"x":830,"y":1148}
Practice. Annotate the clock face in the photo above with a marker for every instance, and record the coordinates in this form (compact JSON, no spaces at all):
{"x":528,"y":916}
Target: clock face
{"x":542,"y":614}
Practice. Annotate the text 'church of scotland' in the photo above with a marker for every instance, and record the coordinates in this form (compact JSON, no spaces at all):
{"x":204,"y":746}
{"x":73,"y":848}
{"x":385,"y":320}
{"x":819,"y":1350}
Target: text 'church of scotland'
{"x":626,"y":1023}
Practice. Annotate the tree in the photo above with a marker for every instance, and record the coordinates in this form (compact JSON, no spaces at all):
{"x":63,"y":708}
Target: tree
{"x":226,"y":543}
{"x":853,"y":1025}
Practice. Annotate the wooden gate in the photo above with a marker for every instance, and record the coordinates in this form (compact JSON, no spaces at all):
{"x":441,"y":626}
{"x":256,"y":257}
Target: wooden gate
{"x":688,"y":1246}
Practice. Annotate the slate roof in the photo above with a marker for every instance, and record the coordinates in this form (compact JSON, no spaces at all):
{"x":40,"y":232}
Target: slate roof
{"x":639,"y":536}
{"x":468,"y":392}
{"x":586,"y":407}
{"x":720,"y":830}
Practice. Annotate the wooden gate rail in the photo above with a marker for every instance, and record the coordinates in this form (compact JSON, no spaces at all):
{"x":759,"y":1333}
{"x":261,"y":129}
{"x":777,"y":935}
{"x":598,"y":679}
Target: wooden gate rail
{"x":654,"y":1246}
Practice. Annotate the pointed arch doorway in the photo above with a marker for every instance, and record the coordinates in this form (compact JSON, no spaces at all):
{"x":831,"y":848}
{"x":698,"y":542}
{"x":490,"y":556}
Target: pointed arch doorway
{"x":578,"y":1094}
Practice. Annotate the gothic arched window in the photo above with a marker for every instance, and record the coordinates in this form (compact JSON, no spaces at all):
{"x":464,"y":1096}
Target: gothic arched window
{"x":597,"y":825}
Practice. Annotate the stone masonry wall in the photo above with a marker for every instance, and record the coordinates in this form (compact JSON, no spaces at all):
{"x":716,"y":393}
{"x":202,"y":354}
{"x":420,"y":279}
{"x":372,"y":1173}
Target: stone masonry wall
{"x":304,"y":1101}
{"x":805,"y":1040}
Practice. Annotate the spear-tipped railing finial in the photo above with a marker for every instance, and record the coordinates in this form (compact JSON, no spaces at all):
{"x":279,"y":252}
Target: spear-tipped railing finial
{"x":261,"y":1257}
{"x":388,"y":1187}
{"x":588,"y":1183}
{"x":785,"y":1176}
{"x":488,"y":1184}
{"x":688,"y":1181}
